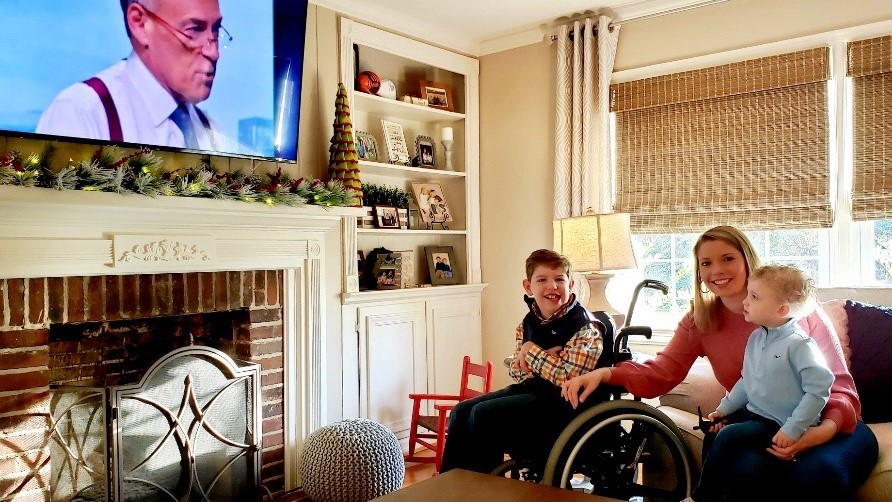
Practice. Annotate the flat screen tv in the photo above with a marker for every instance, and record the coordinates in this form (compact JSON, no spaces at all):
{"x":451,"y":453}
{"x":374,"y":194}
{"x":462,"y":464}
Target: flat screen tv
{"x":254,"y":101}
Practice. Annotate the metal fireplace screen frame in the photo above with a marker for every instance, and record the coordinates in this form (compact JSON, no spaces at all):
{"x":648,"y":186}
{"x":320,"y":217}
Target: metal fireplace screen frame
{"x":189,"y":430}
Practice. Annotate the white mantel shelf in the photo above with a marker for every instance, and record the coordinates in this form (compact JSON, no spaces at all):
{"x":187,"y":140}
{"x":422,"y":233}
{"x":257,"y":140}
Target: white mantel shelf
{"x":48,"y":233}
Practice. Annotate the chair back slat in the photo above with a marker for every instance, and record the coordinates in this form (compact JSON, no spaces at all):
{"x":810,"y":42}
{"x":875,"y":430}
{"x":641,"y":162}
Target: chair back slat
{"x":481,"y":371}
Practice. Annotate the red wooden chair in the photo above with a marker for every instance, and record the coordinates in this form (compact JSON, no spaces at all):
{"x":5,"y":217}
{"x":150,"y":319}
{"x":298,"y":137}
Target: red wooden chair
{"x":425,"y":428}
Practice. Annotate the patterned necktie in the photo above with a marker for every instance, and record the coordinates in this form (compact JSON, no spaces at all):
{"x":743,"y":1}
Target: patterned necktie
{"x":181,"y":118}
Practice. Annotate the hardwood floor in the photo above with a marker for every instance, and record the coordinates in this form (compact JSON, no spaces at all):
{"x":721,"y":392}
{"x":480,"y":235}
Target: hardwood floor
{"x":415,"y":472}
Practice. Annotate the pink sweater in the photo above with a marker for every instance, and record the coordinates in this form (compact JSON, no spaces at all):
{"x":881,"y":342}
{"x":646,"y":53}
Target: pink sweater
{"x":724,"y":349}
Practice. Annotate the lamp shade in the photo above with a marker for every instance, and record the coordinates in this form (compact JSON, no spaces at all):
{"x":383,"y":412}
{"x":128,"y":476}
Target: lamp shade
{"x":595,"y":242}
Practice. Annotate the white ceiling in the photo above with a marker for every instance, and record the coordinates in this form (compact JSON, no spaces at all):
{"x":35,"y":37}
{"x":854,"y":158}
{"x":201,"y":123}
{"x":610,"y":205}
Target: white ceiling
{"x":479,"y":27}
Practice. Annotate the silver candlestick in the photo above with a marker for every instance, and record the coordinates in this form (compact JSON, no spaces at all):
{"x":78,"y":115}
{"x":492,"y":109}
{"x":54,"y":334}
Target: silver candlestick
{"x":447,"y":150}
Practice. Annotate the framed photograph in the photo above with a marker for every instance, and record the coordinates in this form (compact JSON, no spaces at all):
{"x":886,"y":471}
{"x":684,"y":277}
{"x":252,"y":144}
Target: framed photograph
{"x":426,"y":151}
{"x":395,"y":141}
{"x":386,"y":217}
{"x":438,"y":95}
{"x":366,"y":146}
{"x":431,"y":202}
{"x":441,"y":265}
{"x":387,"y":273}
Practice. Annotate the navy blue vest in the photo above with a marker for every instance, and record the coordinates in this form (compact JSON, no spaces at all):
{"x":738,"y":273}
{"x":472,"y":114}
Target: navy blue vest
{"x":554,"y":333}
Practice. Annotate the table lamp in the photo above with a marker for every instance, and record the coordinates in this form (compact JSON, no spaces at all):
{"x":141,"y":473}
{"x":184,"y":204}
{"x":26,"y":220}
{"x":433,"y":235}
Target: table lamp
{"x":596,"y":245}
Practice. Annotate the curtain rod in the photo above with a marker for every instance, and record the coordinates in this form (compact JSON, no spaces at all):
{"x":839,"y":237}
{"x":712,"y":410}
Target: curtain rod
{"x":619,"y":22}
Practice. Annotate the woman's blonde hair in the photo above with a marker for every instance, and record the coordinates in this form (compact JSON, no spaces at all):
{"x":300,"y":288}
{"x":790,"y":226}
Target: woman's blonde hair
{"x":706,"y":305}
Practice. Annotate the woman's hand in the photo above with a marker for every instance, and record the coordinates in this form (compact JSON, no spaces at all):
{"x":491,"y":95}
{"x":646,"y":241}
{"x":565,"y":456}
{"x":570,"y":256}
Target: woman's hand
{"x":587,"y":383}
{"x":813,"y":436}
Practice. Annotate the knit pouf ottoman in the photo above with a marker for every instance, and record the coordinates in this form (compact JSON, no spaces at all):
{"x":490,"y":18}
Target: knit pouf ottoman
{"x":353,"y":460}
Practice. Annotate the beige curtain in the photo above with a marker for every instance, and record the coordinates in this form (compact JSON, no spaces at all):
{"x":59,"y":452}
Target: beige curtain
{"x":870,"y":66}
{"x":582,"y":179}
{"x":744,"y":144}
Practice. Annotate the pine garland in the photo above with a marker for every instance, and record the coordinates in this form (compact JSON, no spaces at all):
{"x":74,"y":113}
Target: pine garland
{"x":109,"y":170}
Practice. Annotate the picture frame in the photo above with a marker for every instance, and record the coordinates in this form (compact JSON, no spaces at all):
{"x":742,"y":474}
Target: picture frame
{"x":431,"y":203}
{"x":360,"y":264}
{"x":386,"y":272}
{"x":395,"y":142}
{"x":438,"y":95}
{"x":441,"y":265}
{"x":386,"y":217}
{"x":426,"y":152}
{"x":366,"y":146}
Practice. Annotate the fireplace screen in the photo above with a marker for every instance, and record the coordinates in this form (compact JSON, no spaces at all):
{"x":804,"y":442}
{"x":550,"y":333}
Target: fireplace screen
{"x":190,"y":430}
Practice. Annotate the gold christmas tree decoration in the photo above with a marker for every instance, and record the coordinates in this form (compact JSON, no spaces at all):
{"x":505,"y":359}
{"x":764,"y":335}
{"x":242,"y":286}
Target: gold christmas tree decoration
{"x":343,"y":161}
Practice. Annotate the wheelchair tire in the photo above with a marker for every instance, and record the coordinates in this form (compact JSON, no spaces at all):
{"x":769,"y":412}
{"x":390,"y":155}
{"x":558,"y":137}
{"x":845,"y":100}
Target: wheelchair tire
{"x":623,"y":449}
{"x":513,"y":469}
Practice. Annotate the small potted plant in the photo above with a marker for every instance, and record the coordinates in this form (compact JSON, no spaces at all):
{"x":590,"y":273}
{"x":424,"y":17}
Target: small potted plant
{"x":383,"y":195}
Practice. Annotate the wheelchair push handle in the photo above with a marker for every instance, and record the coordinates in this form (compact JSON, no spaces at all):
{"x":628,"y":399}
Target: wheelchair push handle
{"x":645,"y":284}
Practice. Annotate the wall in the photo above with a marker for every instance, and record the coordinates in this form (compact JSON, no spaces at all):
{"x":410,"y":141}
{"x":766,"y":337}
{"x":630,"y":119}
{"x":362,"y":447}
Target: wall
{"x":516,"y":96}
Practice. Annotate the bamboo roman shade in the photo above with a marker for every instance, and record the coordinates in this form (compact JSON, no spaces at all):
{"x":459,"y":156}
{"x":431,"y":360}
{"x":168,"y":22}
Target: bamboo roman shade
{"x":742,"y":144}
{"x":870,"y":66}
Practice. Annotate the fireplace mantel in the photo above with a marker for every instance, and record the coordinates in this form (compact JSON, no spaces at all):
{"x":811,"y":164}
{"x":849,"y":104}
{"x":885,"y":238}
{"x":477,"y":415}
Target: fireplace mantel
{"x":50,"y":233}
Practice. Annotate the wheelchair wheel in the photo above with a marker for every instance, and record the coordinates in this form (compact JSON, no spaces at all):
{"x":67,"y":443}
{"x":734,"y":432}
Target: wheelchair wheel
{"x":513,"y":469}
{"x":622,"y":449}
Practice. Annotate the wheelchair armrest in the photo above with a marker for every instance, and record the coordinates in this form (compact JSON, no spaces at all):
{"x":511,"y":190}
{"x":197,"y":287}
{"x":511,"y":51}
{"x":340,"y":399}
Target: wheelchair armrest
{"x":621,"y":338}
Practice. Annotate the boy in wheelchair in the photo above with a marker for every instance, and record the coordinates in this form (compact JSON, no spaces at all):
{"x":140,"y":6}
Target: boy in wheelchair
{"x":557,"y":340}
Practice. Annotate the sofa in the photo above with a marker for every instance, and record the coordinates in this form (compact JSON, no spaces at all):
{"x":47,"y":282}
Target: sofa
{"x":865,"y":332}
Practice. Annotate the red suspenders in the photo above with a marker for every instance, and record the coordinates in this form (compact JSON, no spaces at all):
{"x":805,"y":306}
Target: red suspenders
{"x":111,"y":113}
{"x":114,"y":122}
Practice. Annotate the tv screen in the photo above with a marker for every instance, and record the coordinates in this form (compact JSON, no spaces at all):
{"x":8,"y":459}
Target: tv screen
{"x":239,"y":97}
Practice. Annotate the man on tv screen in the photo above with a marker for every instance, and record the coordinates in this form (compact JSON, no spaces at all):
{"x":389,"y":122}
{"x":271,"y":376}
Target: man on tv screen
{"x":151,"y":96}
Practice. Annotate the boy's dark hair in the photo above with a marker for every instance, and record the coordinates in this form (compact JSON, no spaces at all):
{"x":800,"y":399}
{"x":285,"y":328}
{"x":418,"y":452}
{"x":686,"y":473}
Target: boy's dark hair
{"x":548,"y":258}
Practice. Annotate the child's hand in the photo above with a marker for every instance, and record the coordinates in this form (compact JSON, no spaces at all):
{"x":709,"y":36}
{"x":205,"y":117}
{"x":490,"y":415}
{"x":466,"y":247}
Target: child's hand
{"x":782,"y":440}
{"x":718,"y":421}
{"x":555,"y":351}
{"x":522,"y":356}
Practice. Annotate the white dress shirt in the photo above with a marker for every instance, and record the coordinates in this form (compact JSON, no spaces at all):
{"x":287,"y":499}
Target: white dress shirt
{"x":143,"y":106}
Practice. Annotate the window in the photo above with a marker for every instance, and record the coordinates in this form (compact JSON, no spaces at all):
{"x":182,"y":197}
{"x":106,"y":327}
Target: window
{"x":669,"y":258}
{"x":855,"y":251}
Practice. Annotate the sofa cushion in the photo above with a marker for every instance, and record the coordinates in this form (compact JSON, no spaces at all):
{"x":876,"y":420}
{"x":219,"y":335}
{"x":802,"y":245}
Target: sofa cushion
{"x":879,"y":484}
{"x":870,"y":341}
{"x":699,"y":388}
{"x":836,"y":311}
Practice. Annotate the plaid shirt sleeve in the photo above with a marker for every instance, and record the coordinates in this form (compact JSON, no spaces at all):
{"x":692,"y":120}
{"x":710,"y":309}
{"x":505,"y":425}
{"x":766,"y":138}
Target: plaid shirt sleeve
{"x":514,"y":372}
{"x":579,"y":356}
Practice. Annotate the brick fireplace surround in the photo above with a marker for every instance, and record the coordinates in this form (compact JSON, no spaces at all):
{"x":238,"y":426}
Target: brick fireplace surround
{"x":95,"y":257}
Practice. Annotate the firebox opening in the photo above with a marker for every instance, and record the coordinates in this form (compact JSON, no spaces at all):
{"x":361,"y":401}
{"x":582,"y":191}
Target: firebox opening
{"x":104,"y":353}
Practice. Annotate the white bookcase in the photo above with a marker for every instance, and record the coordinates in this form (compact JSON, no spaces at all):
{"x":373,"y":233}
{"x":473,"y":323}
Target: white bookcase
{"x":412,"y":340}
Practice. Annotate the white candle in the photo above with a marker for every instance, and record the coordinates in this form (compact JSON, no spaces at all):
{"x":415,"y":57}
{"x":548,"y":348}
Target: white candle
{"x":447,"y":134}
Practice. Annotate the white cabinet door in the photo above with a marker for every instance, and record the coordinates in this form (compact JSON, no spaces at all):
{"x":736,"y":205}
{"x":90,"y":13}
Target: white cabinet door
{"x":453,"y":326}
{"x":392,"y":363}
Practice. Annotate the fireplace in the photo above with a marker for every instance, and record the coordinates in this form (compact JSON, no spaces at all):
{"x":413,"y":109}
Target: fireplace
{"x":97,"y":260}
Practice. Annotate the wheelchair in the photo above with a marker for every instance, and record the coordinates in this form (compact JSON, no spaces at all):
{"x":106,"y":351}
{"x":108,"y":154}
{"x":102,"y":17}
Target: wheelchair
{"x":620,"y":447}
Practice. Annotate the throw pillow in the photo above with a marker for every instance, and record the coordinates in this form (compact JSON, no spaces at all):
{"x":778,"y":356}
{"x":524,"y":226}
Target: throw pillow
{"x":870,"y":338}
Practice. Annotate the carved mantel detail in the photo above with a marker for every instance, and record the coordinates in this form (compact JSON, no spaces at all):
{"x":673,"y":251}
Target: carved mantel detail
{"x":131,"y":249}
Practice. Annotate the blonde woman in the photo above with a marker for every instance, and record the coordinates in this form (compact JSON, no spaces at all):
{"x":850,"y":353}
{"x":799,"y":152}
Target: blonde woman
{"x":832,"y":458}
